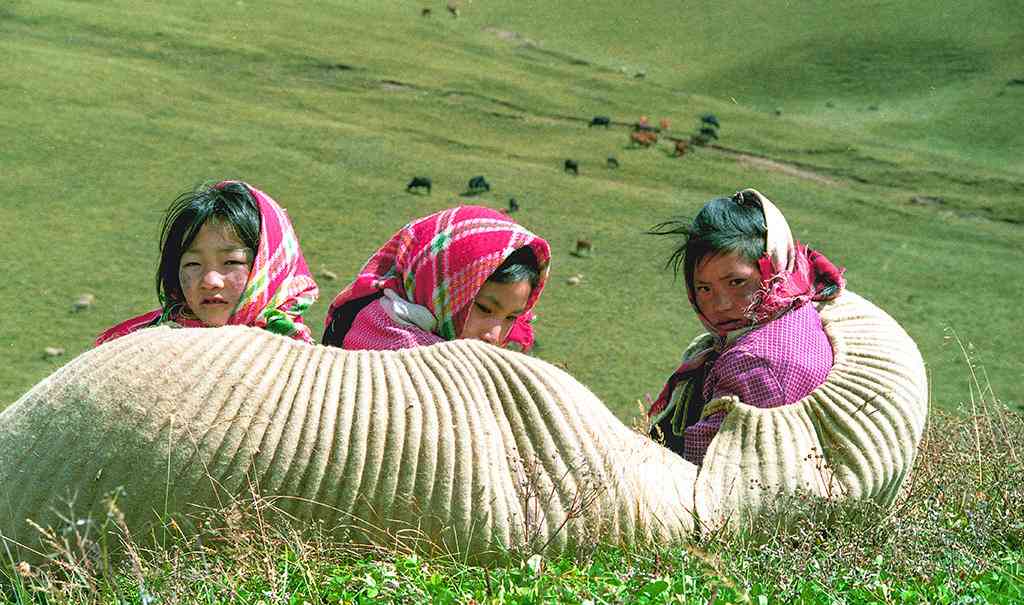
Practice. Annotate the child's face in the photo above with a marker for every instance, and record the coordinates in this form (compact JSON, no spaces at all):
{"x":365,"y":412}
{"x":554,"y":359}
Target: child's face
{"x":725,"y":285}
{"x":495,"y":309}
{"x":213,"y":273}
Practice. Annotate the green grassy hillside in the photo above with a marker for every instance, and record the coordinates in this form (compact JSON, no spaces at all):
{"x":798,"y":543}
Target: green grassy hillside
{"x":841,"y":116}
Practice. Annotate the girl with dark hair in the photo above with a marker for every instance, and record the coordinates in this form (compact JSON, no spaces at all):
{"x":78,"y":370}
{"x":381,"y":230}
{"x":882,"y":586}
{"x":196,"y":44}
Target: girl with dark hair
{"x":749,"y":283}
{"x":465,"y":272}
{"x":228,"y":256}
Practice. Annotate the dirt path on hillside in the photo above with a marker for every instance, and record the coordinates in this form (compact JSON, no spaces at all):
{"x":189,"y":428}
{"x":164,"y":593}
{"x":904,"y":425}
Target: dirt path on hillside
{"x":762,"y":162}
{"x":776,"y":166}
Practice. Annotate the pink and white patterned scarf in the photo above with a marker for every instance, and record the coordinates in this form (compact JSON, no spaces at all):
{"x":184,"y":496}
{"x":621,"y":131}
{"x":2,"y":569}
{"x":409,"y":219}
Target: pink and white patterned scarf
{"x":432,"y":269}
{"x":279,"y":290}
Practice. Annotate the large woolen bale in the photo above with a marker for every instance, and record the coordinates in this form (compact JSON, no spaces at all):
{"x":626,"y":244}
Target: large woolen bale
{"x":459,"y":447}
{"x":853,"y":438}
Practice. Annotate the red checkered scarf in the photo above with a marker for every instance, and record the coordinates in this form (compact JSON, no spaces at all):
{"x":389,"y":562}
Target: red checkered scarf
{"x":441,"y":261}
{"x":792,"y":274}
{"x":279,"y":290}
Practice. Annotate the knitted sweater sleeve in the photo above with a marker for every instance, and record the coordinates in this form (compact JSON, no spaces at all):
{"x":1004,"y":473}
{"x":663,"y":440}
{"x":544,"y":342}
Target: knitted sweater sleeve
{"x":749,"y":377}
{"x":744,"y":375}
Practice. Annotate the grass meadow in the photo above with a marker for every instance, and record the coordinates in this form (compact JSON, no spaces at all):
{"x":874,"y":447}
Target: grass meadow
{"x":888,"y":133}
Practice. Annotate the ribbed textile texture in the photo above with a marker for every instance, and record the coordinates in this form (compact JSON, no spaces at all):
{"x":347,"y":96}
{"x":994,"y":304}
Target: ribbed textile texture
{"x":459,"y":447}
{"x":854,"y":437}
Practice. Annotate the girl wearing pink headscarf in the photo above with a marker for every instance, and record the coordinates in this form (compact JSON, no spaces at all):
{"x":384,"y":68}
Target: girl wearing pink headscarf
{"x":228,"y":256}
{"x":464,"y":272}
{"x":750,"y":284}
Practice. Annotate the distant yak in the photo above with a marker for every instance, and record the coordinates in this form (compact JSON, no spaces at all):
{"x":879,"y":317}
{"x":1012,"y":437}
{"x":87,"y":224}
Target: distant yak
{"x":600,"y":121}
{"x":643,"y":138}
{"x":572,"y":166}
{"x":478,"y":184}
{"x":418,"y":182}
{"x":583,"y":248}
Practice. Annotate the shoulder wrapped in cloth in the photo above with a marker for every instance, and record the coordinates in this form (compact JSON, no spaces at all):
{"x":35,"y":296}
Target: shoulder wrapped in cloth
{"x":853,"y":437}
{"x":792,"y":275}
{"x":278,"y":291}
{"x":417,"y":289}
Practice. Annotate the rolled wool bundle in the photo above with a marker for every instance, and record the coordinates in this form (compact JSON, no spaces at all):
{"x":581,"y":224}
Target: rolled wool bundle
{"x":458,"y":448}
{"x":853,"y":438}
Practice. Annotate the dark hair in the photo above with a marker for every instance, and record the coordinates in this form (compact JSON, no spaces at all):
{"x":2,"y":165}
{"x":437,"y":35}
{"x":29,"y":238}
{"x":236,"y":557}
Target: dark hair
{"x":519,"y":266}
{"x":230,"y":203}
{"x":724,"y":225}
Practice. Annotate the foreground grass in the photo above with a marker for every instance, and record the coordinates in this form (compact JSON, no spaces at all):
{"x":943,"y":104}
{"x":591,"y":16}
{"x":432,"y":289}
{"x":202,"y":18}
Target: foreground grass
{"x":955,"y":535}
{"x":608,"y":576}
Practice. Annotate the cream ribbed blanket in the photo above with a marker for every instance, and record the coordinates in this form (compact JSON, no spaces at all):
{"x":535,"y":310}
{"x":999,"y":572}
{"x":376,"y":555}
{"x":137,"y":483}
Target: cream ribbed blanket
{"x":854,"y":437}
{"x":459,"y":447}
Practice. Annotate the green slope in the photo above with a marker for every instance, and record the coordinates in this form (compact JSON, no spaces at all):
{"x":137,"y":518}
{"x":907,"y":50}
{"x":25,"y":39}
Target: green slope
{"x":109,"y":109}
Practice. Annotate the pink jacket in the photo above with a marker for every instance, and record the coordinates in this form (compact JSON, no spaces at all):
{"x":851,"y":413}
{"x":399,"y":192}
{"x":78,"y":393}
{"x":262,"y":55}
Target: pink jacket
{"x":776,"y":364}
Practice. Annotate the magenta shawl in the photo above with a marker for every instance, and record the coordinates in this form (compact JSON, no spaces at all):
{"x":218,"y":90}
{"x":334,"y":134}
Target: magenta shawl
{"x":438,"y":263}
{"x":279,"y":290}
{"x":792,"y":274}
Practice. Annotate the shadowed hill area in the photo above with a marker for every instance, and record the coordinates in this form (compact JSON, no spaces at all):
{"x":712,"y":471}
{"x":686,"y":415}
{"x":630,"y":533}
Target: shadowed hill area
{"x":887,"y":133}
{"x":925,"y":75}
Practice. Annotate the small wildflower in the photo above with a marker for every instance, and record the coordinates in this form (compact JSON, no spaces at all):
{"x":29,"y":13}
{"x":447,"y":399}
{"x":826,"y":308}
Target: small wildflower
{"x":24,"y":569}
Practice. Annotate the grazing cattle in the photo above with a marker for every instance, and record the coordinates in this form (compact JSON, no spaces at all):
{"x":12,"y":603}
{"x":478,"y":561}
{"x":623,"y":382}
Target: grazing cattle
{"x":419,"y":182}
{"x":600,"y":121}
{"x":572,"y":166}
{"x":643,"y":138}
{"x":681,"y":147}
{"x":612,"y":162}
{"x":704,"y":136}
{"x":425,"y":12}
{"x":513,"y":205}
{"x":583,"y":248}
{"x":478,"y":184}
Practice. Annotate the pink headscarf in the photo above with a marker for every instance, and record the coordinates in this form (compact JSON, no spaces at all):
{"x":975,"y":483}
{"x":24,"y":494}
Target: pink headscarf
{"x":791,"y":275}
{"x":435,"y":266}
{"x":279,"y":290}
